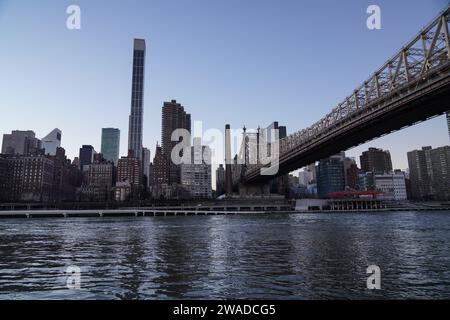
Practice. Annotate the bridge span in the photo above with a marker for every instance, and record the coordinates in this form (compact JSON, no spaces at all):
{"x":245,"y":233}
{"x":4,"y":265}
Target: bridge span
{"x":411,"y":87}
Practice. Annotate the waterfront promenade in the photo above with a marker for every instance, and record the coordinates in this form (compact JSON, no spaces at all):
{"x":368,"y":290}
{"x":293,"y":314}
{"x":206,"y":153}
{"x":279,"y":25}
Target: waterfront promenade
{"x":193,"y":211}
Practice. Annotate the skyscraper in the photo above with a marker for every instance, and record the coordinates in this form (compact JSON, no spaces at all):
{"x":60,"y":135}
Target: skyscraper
{"x":160,"y":168}
{"x":376,"y":160}
{"x":429,"y":172}
{"x":440,"y":164}
{"x":51,"y":142}
{"x":137,"y":99}
{"x":330,"y":176}
{"x":420,"y":173}
{"x":86,"y":157}
{"x":20,"y":142}
{"x":173,"y":117}
{"x":111,"y":144}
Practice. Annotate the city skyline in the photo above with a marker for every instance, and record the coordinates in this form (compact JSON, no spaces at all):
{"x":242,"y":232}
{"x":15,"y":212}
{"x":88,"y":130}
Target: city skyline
{"x":398,"y":143}
{"x":199,"y":153}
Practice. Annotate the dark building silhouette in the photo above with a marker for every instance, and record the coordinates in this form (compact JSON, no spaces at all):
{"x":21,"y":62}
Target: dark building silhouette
{"x":376,"y":160}
{"x":228,"y":162}
{"x":86,"y":155}
{"x":220,"y":180}
{"x":173,"y":117}
{"x":129,"y":170}
{"x":136,"y":119}
{"x":352,"y":176}
{"x":429,"y":172}
{"x":20,"y":143}
{"x":30,"y":178}
{"x":160,"y":168}
{"x":4,"y":179}
{"x":99,"y":178}
{"x":66,"y":177}
{"x":420,"y":173}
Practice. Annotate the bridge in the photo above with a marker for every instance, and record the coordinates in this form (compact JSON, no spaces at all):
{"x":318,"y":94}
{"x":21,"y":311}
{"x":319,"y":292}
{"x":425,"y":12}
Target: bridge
{"x":412,"y":86}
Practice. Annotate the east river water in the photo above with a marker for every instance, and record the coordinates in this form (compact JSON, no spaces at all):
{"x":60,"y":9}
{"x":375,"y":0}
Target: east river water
{"x":278,"y":256}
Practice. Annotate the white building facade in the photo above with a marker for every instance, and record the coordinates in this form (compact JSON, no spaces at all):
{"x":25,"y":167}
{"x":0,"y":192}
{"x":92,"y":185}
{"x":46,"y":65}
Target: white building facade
{"x":392,"y":185}
{"x":196,"y":175}
{"x":51,"y":142}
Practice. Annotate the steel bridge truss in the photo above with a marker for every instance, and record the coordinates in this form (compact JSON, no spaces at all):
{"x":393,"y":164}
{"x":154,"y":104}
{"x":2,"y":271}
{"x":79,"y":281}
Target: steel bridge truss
{"x":426,"y":54}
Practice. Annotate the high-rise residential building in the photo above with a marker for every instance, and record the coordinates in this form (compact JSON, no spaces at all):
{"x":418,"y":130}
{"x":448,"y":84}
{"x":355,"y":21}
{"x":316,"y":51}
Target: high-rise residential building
{"x":429,"y":173}
{"x":20,"y":143}
{"x":330,"y":176}
{"x":376,"y":160}
{"x":440,"y":164}
{"x":420,"y":173}
{"x":51,"y":142}
{"x":160,"y":168}
{"x":129,"y":169}
{"x":67,"y":177}
{"x":99,"y":179}
{"x":196,"y":176}
{"x":86,"y":156}
{"x":173,"y":117}
{"x":136,"y":119}
{"x":351,"y":176}
{"x":146,"y":160}
{"x":110,"y":147}
{"x":220,"y":180}
{"x":392,"y":185}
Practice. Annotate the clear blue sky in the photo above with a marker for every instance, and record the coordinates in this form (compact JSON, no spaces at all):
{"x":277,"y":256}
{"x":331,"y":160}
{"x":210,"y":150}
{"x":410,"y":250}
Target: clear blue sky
{"x":230,"y":61}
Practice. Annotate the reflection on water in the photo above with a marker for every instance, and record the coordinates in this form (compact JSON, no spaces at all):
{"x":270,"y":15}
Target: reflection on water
{"x":314,"y":256}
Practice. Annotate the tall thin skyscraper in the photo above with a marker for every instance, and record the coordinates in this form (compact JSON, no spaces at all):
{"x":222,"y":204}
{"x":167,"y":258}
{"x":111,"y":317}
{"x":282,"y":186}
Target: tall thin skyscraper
{"x":137,"y":99}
